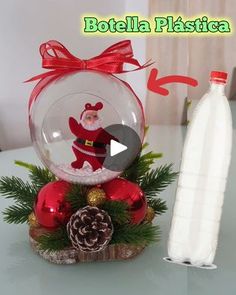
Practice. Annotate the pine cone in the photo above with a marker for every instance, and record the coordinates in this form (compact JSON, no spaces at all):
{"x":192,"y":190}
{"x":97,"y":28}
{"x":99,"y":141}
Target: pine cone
{"x":90,"y":229}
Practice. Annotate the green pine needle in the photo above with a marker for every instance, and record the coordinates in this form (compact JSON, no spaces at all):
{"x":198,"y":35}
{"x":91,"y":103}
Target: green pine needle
{"x":158,"y":205}
{"x":15,"y":188}
{"x":54,"y":241}
{"x":118,"y":211}
{"x":41,"y":176}
{"x":140,"y":166}
{"x":145,"y":145}
{"x":24,"y":164}
{"x":136,"y":234}
{"x":23,"y":193}
{"x":76,"y":196}
{"x":146,"y":128}
{"x":157,"y":180}
{"x":38,"y":175}
{"x":17,"y":214}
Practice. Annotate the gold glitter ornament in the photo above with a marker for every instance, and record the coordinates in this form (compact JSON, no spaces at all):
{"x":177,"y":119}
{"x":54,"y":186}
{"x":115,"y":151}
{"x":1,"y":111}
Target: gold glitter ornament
{"x":96,"y":196}
{"x":32,"y":220}
{"x":150,"y":214}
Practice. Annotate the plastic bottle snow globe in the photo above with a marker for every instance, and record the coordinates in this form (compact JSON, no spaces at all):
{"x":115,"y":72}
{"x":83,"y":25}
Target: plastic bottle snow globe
{"x":69,"y":116}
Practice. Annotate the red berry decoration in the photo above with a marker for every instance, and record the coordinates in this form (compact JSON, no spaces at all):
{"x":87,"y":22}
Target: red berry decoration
{"x":51,"y":208}
{"x":120,"y":189}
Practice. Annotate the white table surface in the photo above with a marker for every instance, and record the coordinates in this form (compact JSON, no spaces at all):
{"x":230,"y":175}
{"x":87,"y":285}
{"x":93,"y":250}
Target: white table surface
{"x":23,"y":272}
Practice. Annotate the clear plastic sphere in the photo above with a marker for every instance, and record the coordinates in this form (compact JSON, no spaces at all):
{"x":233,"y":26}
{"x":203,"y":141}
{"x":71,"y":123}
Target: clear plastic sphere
{"x":73,"y":96}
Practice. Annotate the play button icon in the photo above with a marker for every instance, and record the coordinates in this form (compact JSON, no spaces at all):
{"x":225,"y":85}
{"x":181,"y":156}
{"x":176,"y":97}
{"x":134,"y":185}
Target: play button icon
{"x":116,"y":148}
{"x":123,"y":147}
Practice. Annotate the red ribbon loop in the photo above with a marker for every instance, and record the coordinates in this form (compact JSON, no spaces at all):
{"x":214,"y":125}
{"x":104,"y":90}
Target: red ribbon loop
{"x":60,"y":61}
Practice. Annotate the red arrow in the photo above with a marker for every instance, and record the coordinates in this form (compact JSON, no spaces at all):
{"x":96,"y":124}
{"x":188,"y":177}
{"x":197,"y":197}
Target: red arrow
{"x":155,"y":85}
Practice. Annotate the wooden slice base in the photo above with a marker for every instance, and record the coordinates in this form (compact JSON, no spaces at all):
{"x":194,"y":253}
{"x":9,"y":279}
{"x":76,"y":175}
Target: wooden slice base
{"x":72,"y":256}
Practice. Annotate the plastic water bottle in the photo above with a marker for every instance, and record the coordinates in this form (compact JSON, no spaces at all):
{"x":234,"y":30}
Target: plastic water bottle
{"x":203,"y":176}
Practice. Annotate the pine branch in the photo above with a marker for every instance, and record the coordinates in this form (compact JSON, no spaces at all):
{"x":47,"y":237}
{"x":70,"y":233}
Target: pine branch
{"x":17,"y":214}
{"x":38,"y":175}
{"x":23,"y":193}
{"x":140,"y":166}
{"x":54,"y":241}
{"x":41,"y":176}
{"x":158,"y":205}
{"x":15,"y":188}
{"x":137,"y":234}
{"x":157,"y":180}
{"x":77,"y":196}
{"x":118,"y":211}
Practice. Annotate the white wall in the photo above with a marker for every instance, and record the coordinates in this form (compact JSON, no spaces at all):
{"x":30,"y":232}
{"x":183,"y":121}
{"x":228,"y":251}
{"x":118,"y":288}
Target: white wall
{"x":24,"y":24}
{"x":138,"y":79}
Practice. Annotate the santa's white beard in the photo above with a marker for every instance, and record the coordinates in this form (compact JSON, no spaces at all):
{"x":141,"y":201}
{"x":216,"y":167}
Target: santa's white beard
{"x":91,"y":127}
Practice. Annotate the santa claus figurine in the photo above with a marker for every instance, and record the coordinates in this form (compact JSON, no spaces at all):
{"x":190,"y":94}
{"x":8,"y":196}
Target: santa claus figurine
{"x":91,"y":139}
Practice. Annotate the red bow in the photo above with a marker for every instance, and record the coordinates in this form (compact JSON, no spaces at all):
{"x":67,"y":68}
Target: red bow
{"x":56,"y":57}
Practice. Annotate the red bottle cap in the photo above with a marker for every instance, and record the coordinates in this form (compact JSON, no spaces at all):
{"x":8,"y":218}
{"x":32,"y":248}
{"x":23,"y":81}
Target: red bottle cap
{"x":219,"y":77}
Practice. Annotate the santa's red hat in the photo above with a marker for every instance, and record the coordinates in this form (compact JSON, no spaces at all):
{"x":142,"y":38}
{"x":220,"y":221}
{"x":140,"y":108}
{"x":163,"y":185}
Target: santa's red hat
{"x":88,"y":107}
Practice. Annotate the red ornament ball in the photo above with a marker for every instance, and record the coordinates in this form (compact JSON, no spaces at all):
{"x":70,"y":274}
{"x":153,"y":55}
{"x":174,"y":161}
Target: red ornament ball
{"x":51,"y":209}
{"x":120,"y":189}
